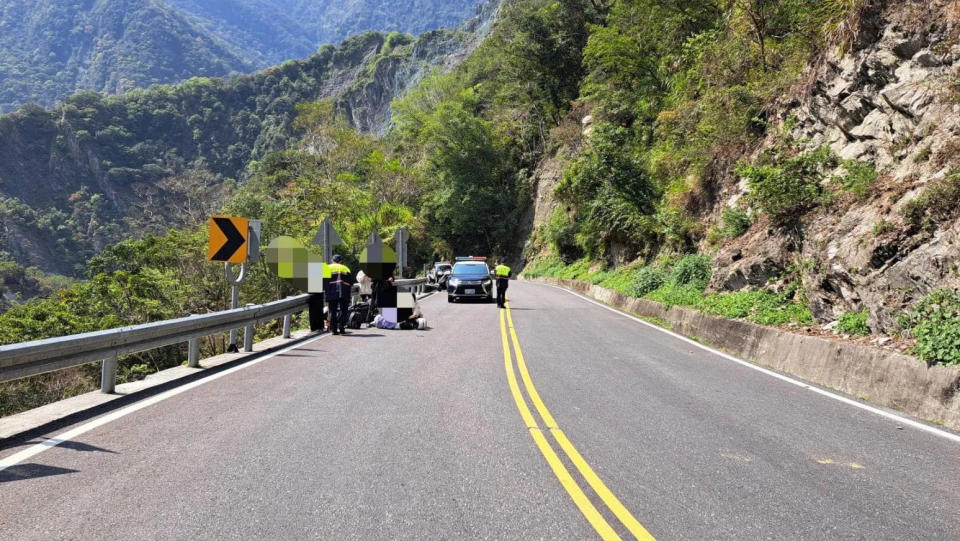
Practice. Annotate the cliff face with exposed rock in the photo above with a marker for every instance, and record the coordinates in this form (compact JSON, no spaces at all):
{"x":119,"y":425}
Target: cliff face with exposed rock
{"x":889,"y":98}
{"x":891,"y":101}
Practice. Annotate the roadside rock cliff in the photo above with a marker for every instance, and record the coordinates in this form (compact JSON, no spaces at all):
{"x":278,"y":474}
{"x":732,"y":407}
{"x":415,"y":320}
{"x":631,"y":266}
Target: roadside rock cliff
{"x":890,"y":100}
{"x":893,"y":101}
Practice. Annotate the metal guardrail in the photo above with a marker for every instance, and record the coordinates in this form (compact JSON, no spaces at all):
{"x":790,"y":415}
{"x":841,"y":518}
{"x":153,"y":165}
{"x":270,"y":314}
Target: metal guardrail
{"x":41,"y":356}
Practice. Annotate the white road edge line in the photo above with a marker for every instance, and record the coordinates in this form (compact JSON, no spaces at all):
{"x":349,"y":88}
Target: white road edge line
{"x":38,"y":448}
{"x":49,"y":443}
{"x":889,"y":415}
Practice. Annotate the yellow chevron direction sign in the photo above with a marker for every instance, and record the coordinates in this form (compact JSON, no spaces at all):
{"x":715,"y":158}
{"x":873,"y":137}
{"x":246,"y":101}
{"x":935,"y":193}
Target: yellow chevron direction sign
{"x":228,"y":239}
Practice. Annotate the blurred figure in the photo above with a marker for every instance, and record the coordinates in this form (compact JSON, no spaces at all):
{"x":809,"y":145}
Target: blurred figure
{"x":338,"y":294}
{"x":366,"y":285}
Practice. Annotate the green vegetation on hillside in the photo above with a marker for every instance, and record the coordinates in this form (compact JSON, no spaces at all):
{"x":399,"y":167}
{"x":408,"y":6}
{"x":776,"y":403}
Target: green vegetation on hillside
{"x":474,"y":135}
{"x":676,"y":88}
{"x":682,"y":281}
{"x":49,"y":49}
{"x":278,"y":30}
{"x":87,"y":173}
{"x":332,"y":171}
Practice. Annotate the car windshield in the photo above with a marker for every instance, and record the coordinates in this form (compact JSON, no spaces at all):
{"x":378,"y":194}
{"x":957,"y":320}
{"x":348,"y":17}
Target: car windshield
{"x":470,"y":270}
{"x":443,"y":268}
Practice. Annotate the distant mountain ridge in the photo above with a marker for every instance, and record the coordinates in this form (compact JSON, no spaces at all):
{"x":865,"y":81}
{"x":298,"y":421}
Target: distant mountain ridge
{"x":96,"y":169}
{"x":272,"y":31}
{"x":50,"y":49}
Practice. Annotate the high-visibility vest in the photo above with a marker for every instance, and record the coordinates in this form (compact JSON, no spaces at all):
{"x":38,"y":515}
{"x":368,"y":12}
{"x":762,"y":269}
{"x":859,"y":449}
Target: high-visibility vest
{"x":339,"y":282}
{"x":502,"y":271}
{"x":339,"y":268}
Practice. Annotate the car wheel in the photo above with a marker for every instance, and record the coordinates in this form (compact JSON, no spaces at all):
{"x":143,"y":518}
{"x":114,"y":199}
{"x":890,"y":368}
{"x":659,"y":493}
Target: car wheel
{"x":449,"y":298}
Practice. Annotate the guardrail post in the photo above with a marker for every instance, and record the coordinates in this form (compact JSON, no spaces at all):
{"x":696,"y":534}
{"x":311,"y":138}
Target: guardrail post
{"x":248,"y":335}
{"x":108,"y":375}
{"x":287,"y":323}
{"x":193,"y":353}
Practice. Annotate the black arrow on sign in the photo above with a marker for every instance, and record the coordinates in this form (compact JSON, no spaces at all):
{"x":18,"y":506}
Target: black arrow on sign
{"x":234,"y":239}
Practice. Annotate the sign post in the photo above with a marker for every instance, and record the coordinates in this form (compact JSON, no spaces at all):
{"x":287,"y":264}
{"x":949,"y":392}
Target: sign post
{"x":234,"y":281}
{"x":253,"y":241}
{"x":401,"y":241}
{"x":234,"y":241}
{"x":328,"y":238}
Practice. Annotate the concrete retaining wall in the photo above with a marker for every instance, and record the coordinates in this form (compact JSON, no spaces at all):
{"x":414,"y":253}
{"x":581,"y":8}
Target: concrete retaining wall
{"x":883,"y":377}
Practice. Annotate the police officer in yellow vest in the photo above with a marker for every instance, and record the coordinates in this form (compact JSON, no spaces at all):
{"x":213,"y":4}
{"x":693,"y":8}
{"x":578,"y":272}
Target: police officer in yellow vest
{"x":502,"y":271}
{"x":337,"y":294}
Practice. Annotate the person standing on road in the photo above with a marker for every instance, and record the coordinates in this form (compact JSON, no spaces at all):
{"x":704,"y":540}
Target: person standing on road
{"x":366,"y":286}
{"x":503,"y":272}
{"x":315,"y":308}
{"x":338,"y":294}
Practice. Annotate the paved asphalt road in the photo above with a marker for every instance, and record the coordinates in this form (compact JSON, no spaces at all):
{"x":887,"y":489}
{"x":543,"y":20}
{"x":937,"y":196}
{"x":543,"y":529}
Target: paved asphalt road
{"x":417,"y":435}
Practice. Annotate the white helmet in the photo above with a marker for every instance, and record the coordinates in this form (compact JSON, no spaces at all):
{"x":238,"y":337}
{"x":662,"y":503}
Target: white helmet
{"x":421,"y":323}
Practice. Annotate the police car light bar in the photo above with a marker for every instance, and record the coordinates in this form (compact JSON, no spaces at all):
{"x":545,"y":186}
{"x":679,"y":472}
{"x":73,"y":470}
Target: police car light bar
{"x":471,"y":258}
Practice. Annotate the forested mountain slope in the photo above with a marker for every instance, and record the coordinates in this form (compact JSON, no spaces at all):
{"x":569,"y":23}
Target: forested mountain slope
{"x":50,"y":48}
{"x":276,"y":30}
{"x":95,"y":170}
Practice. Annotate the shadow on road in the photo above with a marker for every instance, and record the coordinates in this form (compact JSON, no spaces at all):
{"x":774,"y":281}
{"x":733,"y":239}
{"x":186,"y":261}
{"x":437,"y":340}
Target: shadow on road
{"x":47,"y":430}
{"x":77,"y":446}
{"x":23,"y":472}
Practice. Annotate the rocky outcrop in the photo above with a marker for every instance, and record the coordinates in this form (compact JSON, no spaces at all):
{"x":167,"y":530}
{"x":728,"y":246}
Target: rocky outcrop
{"x":893,"y":101}
{"x":365,"y":98}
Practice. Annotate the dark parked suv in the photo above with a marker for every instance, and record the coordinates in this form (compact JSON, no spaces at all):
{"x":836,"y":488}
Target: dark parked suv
{"x":470,"y":280}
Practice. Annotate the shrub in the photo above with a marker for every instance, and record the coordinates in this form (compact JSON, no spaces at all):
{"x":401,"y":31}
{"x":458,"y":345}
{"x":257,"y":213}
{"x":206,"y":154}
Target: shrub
{"x":790,"y":188}
{"x":882,"y":227}
{"x":858,"y":178}
{"x":935,"y":323}
{"x":691,"y":270}
{"x":853,"y":323}
{"x":545,"y":267}
{"x":646,"y":280}
{"x":736,"y":222}
{"x":620,"y":280}
{"x":937,"y":204}
{"x":760,"y":307}
{"x":690,"y":295}
{"x":561,"y":232}
{"x":736,"y":305}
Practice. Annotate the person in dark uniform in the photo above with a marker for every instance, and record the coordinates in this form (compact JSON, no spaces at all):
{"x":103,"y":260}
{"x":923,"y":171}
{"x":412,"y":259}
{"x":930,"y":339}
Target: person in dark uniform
{"x":317,"y":317}
{"x":502,"y":272}
{"x":338,"y":294}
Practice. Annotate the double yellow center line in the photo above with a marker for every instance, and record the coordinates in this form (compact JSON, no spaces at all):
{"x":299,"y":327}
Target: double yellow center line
{"x":586,"y":507}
